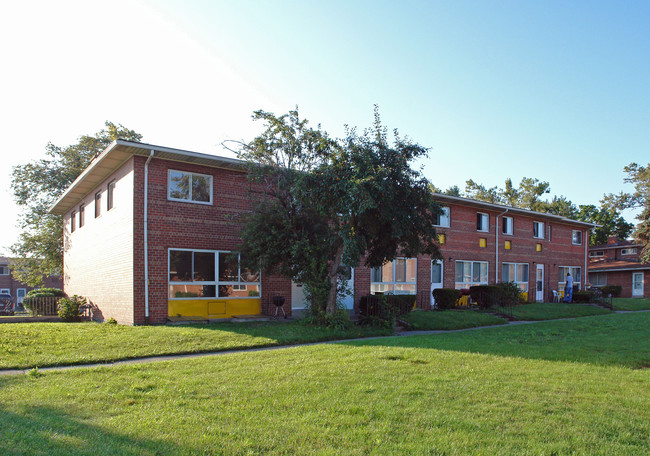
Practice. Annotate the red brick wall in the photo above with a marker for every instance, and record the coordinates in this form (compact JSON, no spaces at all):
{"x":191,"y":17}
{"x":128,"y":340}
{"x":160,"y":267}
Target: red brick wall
{"x":174,"y":224}
{"x":624,"y":279}
{"x":462,"y":243}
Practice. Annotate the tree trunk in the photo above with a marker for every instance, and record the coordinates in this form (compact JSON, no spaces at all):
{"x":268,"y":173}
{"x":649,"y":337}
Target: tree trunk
{"x":333,"y":278}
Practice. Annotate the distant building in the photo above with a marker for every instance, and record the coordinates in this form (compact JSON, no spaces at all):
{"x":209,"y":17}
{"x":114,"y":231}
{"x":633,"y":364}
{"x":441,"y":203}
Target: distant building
{"x":17,"y":289}
{"x":618,"y":263}
{"x":149,"y":235}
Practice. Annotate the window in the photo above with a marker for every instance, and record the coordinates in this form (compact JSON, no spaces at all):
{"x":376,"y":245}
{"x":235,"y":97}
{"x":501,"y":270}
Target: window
{"x":482,"y":222}
{"x":517,"y":273}
{"x":4,"y":270}
{"x":73,"y":216}
{"x":470,"y":273}
{"x":82,"y":215}
{"x":98,"y":204}
{"x":575,"y":273}
{"x":443,"y":218}
{"x":482,"y":242}
{"x":442,"y":239}
{"x":506,"y":225}
{"x":598,"y":279}
{"x":538,"y":230}
{"x":5,"y":291}
{"x":538,"y":247}
{"x":576,"y":237}
{"x":394,"y":277}
{"x":210,"y":274}
{"x":628,"y":251}
{"x":507,"y":245}
{"x":596,"y":253}
{"x":196,"y":188}
{"x":110,"y":188}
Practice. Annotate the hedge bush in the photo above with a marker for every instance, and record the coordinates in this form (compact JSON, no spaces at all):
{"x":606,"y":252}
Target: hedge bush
{"x":582,"y":296}
{"x":44,"y":293}
{"x":68,"y":308}
{"x":614,"y":290}
{"x":445,"y":298}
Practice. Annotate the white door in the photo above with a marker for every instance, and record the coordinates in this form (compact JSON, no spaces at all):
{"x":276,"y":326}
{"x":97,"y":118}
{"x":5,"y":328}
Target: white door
{"x":539,"y":283}
{"x":637,"y":284}
{"x":20,"y":295}
{"x":348,"y":300}
{"x":298,"y":299}
{"x":436,"y":277}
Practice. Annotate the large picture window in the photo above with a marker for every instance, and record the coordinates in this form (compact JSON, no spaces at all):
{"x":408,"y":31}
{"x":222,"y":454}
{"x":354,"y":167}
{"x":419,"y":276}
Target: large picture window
{"x":575,"y":273}
{"x":394,"y":277}
{"x":470,"y":273}
{"x":598,"y":279}
{"x":517,"y":273}
{"x":210,"y":274}
{"x":184,"y":186}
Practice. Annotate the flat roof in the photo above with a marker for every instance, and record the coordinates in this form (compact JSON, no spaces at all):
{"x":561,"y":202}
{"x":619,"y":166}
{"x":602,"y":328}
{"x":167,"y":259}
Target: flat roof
{"x":116,"y":154}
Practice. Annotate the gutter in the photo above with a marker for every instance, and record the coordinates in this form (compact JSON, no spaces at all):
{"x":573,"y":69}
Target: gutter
{"x":146,"y":237}
{"x":496,"y":247}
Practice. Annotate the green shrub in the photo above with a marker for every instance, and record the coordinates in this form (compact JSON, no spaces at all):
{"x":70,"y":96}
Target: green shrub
{"x":375,"y":310}
{"x":111,"y":321}
{"x":582,"y":296}
{"x":614,"y":290}
{"x":45,"y":292}
{"x":69,"y":307}
{"x":508,"y":294}
{"x":485,"y":296}
{"x":445,"y":298}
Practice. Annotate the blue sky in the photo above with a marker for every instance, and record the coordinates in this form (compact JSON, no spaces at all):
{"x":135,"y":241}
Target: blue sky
{"x":554,"y":90}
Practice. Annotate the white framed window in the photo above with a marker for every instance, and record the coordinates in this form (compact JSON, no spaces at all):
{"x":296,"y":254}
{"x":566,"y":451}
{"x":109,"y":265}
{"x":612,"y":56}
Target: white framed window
{"x":470,"y":273}
{"x":443,"y":218}
{"x":538,"y":230}
{"x":576,"y":237}
{"x":110,"y":189}
{"x":4,"y":270}
{"x":189,"y":187}
{"x":628,"y":251}
{"x":5,"y":291}
{"x":98,"y":204}
{"x":506,"y":225}
{"x":210,"y":274}
{"x":395,"y":277}
{"x":598,"y":279}
{"x":482,"y":222}
{"x":596,"y":253}
{"x":517,"y":273}
{"x":575,"y":273}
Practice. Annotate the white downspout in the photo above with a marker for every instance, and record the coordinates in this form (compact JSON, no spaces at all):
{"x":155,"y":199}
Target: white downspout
{"x":146,"y":237}
{"x":584,"y":275}
{"x":496,"y":248}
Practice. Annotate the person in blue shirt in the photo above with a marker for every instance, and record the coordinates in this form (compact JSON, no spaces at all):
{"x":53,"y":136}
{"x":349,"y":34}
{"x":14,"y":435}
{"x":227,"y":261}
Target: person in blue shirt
{"x":568,"y":288}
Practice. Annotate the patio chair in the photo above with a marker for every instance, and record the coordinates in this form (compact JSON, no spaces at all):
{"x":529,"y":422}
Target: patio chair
{"x":556,"y":296}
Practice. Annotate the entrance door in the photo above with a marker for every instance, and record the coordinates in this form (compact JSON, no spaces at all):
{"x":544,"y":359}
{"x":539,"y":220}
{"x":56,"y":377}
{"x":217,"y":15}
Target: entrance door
{"x":348,"y":300}
{"x":298,"y":299}
{"x":20,"y":295}
{"x":436,"y":277}
{"x":637,"y":284}
{"x":539,"y":283}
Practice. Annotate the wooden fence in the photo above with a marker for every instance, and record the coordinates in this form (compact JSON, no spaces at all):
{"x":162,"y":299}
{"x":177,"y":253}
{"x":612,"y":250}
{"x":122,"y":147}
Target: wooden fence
{"x":46,"y":305}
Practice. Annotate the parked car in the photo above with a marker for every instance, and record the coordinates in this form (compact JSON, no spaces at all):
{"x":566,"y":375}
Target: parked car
{"x":6,"y":304}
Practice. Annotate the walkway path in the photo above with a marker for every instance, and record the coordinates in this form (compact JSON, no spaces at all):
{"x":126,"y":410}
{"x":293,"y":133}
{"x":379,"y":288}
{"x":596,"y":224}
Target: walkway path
{"x":153,"y":359}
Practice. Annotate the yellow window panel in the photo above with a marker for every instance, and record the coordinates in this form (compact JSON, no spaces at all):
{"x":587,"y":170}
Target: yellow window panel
{"x":508,"y":246}
{"x":482,"y":242}
{"x":538,"y":247}
{"x":441,"y":239}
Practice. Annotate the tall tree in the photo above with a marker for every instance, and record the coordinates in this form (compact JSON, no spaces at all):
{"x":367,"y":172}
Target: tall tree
{"x":330,"y":202}
{"x":36,"y":186}
{"x":639,"y":176}
{"x":610,"y":220}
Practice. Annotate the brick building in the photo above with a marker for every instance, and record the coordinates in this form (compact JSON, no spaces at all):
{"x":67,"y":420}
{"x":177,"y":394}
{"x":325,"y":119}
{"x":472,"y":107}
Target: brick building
{"x":150,"y":232}
{"x":18,"y":290}
{"x":619,"y":263}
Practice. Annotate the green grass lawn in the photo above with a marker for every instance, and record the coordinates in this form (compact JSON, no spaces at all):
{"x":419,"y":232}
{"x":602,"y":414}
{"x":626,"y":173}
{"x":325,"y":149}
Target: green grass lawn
{"x":631,"y":304}
{"x":553,"y":310}
{"x":443,"y":394}
{"x":450,"y":319}
{"x":24,"y":345}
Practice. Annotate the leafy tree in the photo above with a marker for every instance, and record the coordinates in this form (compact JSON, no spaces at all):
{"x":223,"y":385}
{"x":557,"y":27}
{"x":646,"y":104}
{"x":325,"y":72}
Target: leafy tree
{"x":328,"y":202}
{"x":611,"y":221}
{"x":482,"y":193}
{"x":36,"y":186}
{"x":639,"y":176}
{"x":560,"y":205}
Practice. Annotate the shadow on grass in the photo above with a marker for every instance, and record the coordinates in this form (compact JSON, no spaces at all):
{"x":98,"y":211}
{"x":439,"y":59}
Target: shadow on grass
{"x":614,"y":340}
{"x":50,"y":431}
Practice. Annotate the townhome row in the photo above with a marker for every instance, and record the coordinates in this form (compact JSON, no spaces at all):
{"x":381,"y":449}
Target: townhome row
{"x":151,"y":234}
{"x":16,"y":289}
{"x":619,"y":263}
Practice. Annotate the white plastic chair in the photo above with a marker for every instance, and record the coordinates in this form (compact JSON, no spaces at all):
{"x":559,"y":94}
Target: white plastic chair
{"x":556,"y":296}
